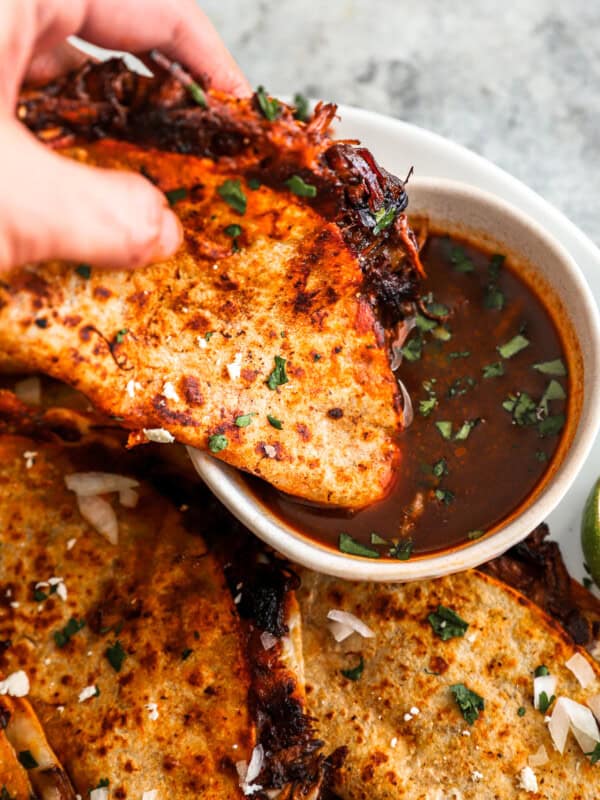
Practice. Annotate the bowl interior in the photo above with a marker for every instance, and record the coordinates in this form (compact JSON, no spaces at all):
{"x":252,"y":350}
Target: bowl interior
{"x":541,"y":262}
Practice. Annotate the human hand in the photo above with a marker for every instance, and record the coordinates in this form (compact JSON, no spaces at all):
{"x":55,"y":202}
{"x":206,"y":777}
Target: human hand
{"x":51,"y":207}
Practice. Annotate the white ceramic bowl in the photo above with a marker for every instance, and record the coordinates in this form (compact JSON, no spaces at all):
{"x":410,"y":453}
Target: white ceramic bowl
{"x":542,"y":262}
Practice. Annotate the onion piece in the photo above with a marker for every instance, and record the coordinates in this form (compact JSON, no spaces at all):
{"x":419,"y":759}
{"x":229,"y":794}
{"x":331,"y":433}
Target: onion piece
{"x":543,"y":683}
{"x":340,"y":632}
{"x":248,"y":772}
{"x":528,"y":780}
{"x":128,"y":498}
{"x":567,"y":715}
{"x":350,"y":621}
{"x":594,"y":704}
{"x":99,"y":794}
{"x":29,"y":391}
{"x":101,"y":516}
{"x":401,"y":335}
{"x":582,"y":669}
{"x":407,"y":406}
{"x":539,"y":758}
{"x":88,"y":484}
{"x":268,"y":640}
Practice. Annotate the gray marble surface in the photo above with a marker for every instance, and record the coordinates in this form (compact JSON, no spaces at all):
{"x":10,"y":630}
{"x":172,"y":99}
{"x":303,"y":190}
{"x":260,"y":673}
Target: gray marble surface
{"x":518,"y":82}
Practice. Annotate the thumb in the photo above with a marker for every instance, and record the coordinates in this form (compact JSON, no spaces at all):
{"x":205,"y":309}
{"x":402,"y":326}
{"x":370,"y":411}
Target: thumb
{"x":52,"y":207}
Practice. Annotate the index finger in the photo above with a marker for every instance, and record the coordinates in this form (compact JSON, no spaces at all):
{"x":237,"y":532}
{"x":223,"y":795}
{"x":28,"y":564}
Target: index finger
{"x":177,"y":27}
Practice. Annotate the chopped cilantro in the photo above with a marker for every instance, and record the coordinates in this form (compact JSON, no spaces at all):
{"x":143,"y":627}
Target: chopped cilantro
{"x":440,"y":468}
{"x":298,"y":186}
{"x":217,"y":442}
{"x":269,"y":106}
{"x":594,"y":754}
{"x":64,"y":635}
{"x":301,"y":109}
{"x":445,"y":428}
{"x":495,"y":265}
{"x":513,"y":346}
{"x":441,"y":334}
{"x":427,"y":406}
{"x":544,"y":702}
{"x":444,"y":496}
{"x":349,"y":545}
{"x":494,"y":298}
{"x":413,"y":349}
{"x":233,"y":230}
{"x":446,"y":623}
{"x":460,"y":260}
{"x":185,"y":654}
{"x":383,"y":219}
{"x":460,"y":354}
{"x":41,"y":322}
{"x":460,"y":386}
{"x":103,"y":783}
{"x":253,"y":183}
{"x":403,"y":550}
{"x":244,"y":420}
{"x":495,"y":370}
{"x":276,"y":423}
{"x":208,"y":335}
{"x":354,"y":673}
{"x":554,"y":391}
{"x":425,"y":324}
{"x":556,"y":367}
{"x":465,"y":430}
{"x":377,"y":539}
{"x":197,"y":94}
{"x":120,"y":335}
{"x":116,"y":655}
{"x":521,"y":711}
{"x":587,"y":582}
{"x":436,"y":309}
{"x":469,"y":703}
{"x":27,"y":760}
{"x":175,"y":195}
{"x":540,"y":671}
{"x":39,"y":596}
{"x":232,"y":193}
{"x":541,"y":456}
{"x":278,"y":376}
{"x":84,"y":271}
{"x":523,"y":409}
{"x":475,"y":534}
{"x":551,"y":426}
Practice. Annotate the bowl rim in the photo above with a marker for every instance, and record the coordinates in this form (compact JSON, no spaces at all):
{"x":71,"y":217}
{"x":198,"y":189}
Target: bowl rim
{"x":231,"y":489}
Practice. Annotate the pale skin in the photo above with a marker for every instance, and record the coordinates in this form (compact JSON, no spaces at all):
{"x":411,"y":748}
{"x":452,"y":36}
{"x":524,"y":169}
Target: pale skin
{"x":51,"y":207}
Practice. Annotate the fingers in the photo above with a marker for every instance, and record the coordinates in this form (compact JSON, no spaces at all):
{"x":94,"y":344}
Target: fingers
{"x":50,"y":64}
{"x":57,"y":208}
{"x":178,"y":27}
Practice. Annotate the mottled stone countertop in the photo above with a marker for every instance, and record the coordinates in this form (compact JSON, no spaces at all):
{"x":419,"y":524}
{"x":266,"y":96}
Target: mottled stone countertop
{"x":517,"y":82}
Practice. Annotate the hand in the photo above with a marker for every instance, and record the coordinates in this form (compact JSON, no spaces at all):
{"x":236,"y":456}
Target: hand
{"x":51,"y":207}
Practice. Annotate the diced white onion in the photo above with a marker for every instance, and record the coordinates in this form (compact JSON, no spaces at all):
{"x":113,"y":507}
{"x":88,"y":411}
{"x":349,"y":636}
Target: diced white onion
{"x":594,"y":704}
{"x":567,"y":715}
{"x":407,"y":406}
{"x":268,"y":640}
{"x":170,"y":392}
{"x":87,"y":692}
{"x":160,"y":435}
{"x":29,"y":391}
{"x":99,"y":794}
{"x":256,"y":763}
{"x":401,"y":335}
{"x":543,"y":683}
{"x":92,"y":483}
{"x":345,"y":618}
{"x":270,"y":451}
{"x":128,"y":498}
{"x":528,"y":780}
{"x":539,"y":758}
{"x":582,"y":669}
{"x":101,"y":516}
{"x":340,"y":632}
{"x":15,"y":685}
{"x":151,"y":795}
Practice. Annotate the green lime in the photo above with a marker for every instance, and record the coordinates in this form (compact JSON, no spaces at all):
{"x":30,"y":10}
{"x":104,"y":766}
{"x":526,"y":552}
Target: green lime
{"x":590,"y":532}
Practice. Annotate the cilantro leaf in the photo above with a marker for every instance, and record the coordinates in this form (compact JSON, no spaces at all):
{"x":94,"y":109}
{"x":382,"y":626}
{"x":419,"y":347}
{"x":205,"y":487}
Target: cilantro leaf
{"x":495,"y":370}
{"x":349,"y":545}
{"x":197,"y":94}
{"x":278,"y":376}
{"x":299,"y":187}
{"x":403,"y":550}
{"x":232,"y":193}
{"x":84,"y":271}
{"x":64,"y":635}
{"x":513,"y":346}
{"x":175,"y":195}
{"x":301,"y":109}
{"x":469,"y":702}
{"x":269,"y":106}
{"x":446,"y":623}
{"x":556,"y":368}
{"x":116,"y":655}
{"x":354,"y":673}
{"x":383,"y":219}
{"x":244,"y":420}
{"x":217,"y":442}
{"x":276,"y":423}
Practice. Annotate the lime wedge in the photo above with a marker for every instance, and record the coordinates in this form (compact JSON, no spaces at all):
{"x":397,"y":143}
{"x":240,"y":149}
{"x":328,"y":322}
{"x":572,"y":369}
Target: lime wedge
{"x":590,"y":532}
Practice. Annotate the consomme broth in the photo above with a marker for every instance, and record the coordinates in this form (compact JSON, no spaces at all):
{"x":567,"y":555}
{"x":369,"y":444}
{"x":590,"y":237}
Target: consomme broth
{"x":486,"y":372}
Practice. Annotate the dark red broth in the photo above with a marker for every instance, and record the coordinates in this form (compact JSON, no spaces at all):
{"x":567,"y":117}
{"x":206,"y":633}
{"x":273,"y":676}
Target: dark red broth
{"x":472,"y":454}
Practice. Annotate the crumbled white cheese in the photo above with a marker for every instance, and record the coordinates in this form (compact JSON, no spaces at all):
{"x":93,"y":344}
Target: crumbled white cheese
{"x":29,"y":456}
{"x":99,"y":794}
{"x":132,"y":388}
{"x":151,"y":795}
{"x":394,"y":742}
{"x":60,"y":709}
{"x":15,"y":604}
{"x":414,"y":711}
{"x":466,"y":732}
{"x":476,"y":776}
{"x":407,"y":717}
{"x":61,"y":591}
{"x":248,"y":772}
{"x":152,"y":709}
{"x":269,"y":451}
{"x":71,"y":544}
{"x":527,"y":780}
{"x":237,"y":599}
{"x":169,"y":391}
{"x":471,"y":637}
{"x":202,"y":343}
{"x":89,"y":691}
{"x":235,"y":368}
{"x":15,"y":685}
{"x":159,"y":435}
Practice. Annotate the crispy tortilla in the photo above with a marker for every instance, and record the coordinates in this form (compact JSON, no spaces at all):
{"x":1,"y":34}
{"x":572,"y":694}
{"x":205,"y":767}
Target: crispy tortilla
{"x":160,"y":628}
{"x":192,"y":344}
{"x":431,"y":752}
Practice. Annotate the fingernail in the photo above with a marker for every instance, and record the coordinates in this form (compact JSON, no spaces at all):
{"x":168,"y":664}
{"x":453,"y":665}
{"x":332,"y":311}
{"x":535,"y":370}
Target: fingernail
{"x":171,"y":235}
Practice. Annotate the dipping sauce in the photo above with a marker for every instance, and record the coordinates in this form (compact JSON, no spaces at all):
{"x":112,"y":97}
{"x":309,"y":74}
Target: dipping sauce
{"x":486,"y":371}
